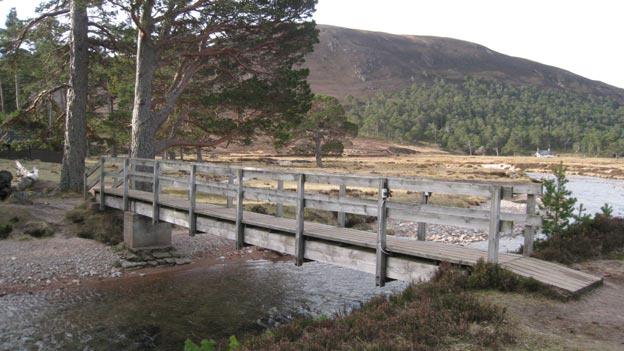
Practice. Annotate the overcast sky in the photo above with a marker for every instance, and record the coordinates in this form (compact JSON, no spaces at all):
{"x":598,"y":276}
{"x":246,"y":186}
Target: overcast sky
{"x":585,"y":37}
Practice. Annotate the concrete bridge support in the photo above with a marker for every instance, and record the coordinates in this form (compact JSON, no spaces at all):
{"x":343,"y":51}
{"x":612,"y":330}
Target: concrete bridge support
{"x":141,"y":233}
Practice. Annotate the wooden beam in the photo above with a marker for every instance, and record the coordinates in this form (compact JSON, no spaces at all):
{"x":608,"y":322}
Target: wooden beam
{"x":156,"y":193}
{"x":279,"y":206}
{"x":529,"y":231}
{"x":230,"y":183}
{"x":421,"y":231}
{"x":357,"y":258}
{"x":300,"y":217}
{"x":126,"y":163}
{"x":342,"y":218}
{"x":240,"y":227}
{"x":102,"y":195}
{"x":494,"y":233}
{"x":381,"y":255}
{"x":192,"y":201}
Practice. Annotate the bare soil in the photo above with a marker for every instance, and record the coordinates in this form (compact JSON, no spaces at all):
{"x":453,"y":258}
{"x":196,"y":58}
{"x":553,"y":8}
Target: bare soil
{"x":594,"y":321}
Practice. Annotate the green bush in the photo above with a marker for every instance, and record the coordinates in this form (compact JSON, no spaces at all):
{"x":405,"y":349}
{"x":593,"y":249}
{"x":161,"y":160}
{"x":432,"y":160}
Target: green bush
{"x":103,"y":226}
{"x":332,"y":148}
{"x":557,"y":203}
{"x":594,"y":238}
{"x":38,"y":229}
{"x":258,"y":209}
{"x":5,"y":230}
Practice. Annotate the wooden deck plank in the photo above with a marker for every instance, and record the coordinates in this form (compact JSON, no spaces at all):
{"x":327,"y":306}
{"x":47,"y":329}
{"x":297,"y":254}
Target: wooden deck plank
{"x":549,"y":273}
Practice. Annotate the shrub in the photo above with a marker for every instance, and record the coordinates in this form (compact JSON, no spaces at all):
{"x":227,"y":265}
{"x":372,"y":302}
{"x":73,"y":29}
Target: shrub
{"x":5,"y":230}
{"x":38,"y":229}
{"x":332,"y":148}
{"x":427,"y":316}
{"x":103,"y":226}
{"x":258,"y":209}
{"x":594,"y":238}
{"x":557,"y":203}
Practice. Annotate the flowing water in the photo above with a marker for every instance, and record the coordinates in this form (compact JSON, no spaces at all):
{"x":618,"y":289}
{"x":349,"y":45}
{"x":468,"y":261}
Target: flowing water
{"x":591,"y":192}
{"x":594,"y":192}
{"x":159,"y":312}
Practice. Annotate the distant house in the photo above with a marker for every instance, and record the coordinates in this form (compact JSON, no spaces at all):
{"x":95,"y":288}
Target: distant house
{"x":544,"y":153}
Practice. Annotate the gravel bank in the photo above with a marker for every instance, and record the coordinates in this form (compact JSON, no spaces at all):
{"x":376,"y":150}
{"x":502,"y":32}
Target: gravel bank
{"x":457,"y":235}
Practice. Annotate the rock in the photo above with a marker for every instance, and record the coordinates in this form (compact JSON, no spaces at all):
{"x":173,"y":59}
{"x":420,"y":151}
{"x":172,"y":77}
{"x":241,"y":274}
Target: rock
{"x":170,"y":260}
{"x":161,"y":254}
{"x":129,"y":265}
{"x":153,"y":263}
{"x":181,"y":261}
{"x":132,"y":257}
{"x":38,"y":229}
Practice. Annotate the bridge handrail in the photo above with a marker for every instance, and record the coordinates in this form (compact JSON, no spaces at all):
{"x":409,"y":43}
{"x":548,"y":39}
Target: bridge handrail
{"x":491,"y":220}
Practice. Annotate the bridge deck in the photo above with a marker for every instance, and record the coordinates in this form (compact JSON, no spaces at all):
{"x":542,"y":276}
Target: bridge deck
{"x":552,"y":274}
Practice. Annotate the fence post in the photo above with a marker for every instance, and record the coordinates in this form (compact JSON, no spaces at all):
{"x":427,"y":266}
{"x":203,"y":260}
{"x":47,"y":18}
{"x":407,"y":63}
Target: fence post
{"x":192,"y":199}
{"x":85,"y":180}
{"x":421,"y":231}
{"x":102,"y":160}
{"x":279,"y":207}
{"x":230,"y":183}
{"x":529,"y":231}
{"x":125,"y":184}
{"x":494,"y":234}
{"x":383,"y":193}
{"x":240,"y":228}
{"x":300,"y":216}
{"x":155,"y":192}
{"x":342,"y":217}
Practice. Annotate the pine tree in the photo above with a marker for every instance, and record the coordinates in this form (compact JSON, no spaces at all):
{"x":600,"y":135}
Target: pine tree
{"x":557,"y":203}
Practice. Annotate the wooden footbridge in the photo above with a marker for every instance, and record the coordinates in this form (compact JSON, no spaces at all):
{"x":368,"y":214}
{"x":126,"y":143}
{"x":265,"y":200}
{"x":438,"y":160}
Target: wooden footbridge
{"x":188,"y":194}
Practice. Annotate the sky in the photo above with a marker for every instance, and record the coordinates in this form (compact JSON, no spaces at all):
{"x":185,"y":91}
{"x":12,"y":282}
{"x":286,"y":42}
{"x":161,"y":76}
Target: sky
{"x":585,"y":37}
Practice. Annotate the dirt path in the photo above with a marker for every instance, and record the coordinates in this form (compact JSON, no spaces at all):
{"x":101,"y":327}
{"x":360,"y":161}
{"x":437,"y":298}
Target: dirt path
{"x":595,"y":321}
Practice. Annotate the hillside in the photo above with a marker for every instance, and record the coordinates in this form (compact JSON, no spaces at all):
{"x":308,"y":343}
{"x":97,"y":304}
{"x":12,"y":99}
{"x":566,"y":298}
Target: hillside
{"x":361,"y":63}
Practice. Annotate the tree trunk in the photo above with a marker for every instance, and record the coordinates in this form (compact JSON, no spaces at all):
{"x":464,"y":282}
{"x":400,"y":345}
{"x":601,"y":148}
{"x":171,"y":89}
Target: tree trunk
{"x":17,"y":92}
{"x":2,"y":97}
{"x":143,"y":124}
{"x":317,"y":149}
{"x":72,"y":169}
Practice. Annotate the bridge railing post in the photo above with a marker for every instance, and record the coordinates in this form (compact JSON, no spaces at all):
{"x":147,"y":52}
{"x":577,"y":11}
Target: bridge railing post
{"x":126,"y":184}
{"x":156,"y":193}
{"x":300,"y":217}
{"x":494,"y":232}
{"x":192,"y":200}
{"x":229,"y":199}
{"x":240,"y":228}
{"x":279,"y":206}
{"x":342,"y":217}
{"x":421,"y":231}
{"x":529,"y":231}
{"x":381,"y":253}
{"x":102,"y":173}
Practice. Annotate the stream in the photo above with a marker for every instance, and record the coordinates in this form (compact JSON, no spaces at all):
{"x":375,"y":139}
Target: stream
{"x":159,"y":312}
{"x":592,"y":192}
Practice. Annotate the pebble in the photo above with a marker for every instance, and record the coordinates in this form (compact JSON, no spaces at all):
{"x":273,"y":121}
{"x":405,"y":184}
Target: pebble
{"x":456,"y":235}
